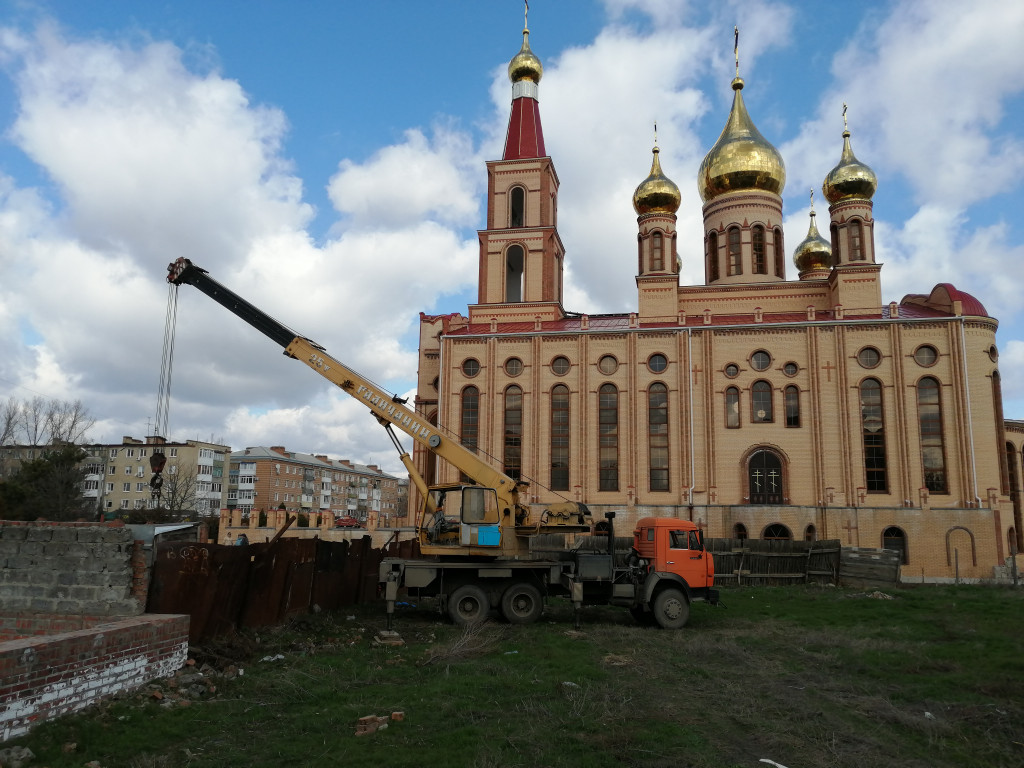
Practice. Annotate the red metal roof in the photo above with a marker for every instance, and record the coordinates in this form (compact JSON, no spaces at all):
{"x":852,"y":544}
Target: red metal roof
{"x":619,"y":322}
{"x":525,"y":138}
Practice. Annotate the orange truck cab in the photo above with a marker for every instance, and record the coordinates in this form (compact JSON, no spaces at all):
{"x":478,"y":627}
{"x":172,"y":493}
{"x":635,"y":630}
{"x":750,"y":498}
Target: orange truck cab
{"x":676,"y":547}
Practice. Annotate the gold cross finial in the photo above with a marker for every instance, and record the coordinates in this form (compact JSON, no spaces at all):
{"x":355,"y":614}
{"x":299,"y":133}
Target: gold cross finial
{"x":736,"y":48}
{"x":812,"y":201}
{"x":526,"y":14}
{"x":845,"y":126}
{"x":655,"y":133}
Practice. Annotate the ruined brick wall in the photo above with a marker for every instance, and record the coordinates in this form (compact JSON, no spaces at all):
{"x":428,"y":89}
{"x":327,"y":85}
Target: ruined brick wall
{"x":42,"y":678}
{"x":66,"y":572}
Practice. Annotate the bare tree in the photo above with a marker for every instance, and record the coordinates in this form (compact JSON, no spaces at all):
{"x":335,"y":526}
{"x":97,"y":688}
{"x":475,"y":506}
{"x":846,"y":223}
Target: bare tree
{"x":9,"y":413}
{"x":178,"y":494}
{"x":67,"y":422}
{"x":32,"y":421}
{"x":43,"y":422}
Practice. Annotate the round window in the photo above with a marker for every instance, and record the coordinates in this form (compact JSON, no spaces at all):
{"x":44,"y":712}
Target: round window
{"x":760,"y":360}
{"x":608,"y":365}
{"x":926,"y":355}
{"x":657,"y":363}
{"x":869,"y":357}
{"x":790,"y":369}
{"x":732,"y":370}
{"x":470,"y":367}
{"x":513,"y":366}
{"x":560,"y":365}
{"x":993,"y":353}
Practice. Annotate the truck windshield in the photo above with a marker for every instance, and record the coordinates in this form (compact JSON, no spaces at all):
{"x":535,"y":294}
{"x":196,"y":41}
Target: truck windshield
{"x":479,"y":505}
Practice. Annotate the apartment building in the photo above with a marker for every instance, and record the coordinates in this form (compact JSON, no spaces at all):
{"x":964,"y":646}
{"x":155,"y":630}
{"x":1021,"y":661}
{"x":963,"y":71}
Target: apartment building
{"x":268,"y":478}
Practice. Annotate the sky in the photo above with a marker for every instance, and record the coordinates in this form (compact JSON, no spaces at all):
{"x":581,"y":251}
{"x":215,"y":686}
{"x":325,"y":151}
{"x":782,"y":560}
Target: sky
{"x":326,"y":160}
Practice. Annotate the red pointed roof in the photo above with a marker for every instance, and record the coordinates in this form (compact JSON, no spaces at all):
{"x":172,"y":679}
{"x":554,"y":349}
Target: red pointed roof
{"x":525,"y":138}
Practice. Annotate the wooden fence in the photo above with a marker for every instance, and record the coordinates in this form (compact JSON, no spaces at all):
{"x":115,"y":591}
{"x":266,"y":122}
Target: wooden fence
{"x":860,"y":567}
{"x":763,"y":562}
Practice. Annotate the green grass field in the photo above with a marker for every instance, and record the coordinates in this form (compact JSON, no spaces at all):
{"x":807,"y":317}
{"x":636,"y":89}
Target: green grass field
{"x":806,"y":677}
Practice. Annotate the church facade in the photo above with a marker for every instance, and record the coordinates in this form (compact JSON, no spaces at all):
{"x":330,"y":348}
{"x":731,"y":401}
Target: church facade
{"x":780,"y":398}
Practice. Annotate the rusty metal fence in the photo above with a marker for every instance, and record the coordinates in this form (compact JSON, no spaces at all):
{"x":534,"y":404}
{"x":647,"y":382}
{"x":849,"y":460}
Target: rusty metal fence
{"x":224,"y":588}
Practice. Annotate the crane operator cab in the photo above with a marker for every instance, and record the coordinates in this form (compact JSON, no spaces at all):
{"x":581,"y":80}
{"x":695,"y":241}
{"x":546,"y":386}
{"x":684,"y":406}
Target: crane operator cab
{"x":462,"y":515}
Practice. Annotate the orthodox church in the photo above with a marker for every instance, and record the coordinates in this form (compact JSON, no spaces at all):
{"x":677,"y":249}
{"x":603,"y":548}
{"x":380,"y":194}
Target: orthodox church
{"x":781,"y":398}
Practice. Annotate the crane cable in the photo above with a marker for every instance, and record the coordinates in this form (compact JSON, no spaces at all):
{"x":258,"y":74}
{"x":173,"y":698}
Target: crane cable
{"x":158,"y":459}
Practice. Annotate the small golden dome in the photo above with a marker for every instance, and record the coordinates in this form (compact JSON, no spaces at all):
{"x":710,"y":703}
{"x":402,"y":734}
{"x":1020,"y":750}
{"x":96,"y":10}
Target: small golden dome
{"x":741,"y":158}
{"x":814,"y":254}
{"x":657,"y":193}
{"x":525,"y":65}
{"x":850,"y":179}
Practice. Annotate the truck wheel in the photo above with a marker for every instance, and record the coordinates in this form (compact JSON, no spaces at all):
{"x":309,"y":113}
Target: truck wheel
{"x":671,"y":609}
{"x":468,"y":605}
{"x":521,"y":604}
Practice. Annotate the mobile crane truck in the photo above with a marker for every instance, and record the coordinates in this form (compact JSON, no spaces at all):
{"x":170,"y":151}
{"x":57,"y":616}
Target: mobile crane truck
{"x":479,"y":545}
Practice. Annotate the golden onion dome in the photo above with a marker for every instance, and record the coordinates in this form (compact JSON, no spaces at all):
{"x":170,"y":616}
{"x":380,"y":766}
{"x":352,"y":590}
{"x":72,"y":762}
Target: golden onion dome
{"x":815,"y":252}
{"x":525,"y":65}
{"x":741,"y":158}
{"x":657,"y":193}
{"x":850,"y":179}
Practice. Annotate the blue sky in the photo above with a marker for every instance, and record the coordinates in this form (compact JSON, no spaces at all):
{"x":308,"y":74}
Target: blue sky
{"x":326,"y":160}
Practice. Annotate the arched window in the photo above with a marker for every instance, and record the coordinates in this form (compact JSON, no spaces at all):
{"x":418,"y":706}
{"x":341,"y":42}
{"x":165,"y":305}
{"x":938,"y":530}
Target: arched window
{"x":732,"y":408}
{"x":764,"y":475}
{"x":792,"y":406}
{"x":856,"y":241}
{"x":514,"y":266}
{"x":933,"y":452}
{"x":712,"y":257}
{"x":657,"y":435}
{"x":739,"y":531}
{"x":560,"y":438}
{"x":810,"y":533}
{"x":872,"y":420}
{"x":470,"y":418}
{"x":895,"y":540}
{"x":517,"y":207}
{"x":657,"y":254}
{"x":608,"y":438}
{"x":513,"y":432}
{"x":834,"y":231}
{"x":780,"y":254}
{"x":757,"y":247}
{"x":735,"y":252}
{"x":761,"y":402}
{"x":776,"y":532}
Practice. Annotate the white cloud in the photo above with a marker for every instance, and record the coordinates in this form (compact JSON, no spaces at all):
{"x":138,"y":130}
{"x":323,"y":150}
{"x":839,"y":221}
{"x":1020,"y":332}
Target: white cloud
{"x":150,"y":158}
{"x":405,"y":183}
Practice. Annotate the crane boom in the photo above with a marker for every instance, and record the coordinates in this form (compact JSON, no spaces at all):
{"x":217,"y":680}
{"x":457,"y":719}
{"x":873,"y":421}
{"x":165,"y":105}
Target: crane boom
{"x":386,"y":407}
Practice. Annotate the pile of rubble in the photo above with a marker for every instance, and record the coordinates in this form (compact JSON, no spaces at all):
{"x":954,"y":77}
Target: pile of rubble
{"x":190,"y":683}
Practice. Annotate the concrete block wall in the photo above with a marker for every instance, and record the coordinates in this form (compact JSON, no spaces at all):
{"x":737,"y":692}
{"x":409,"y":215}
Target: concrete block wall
{"x":69,"y":569}
{"x":45,"y":678}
